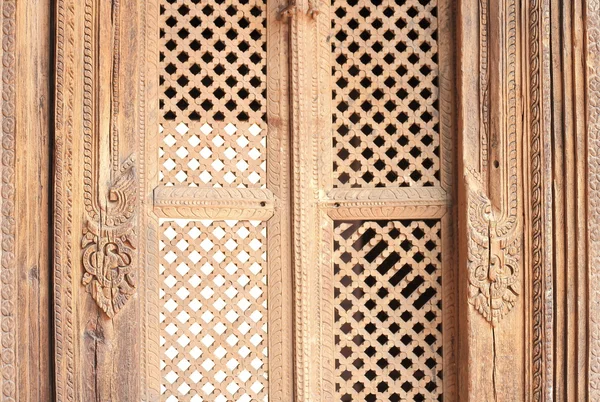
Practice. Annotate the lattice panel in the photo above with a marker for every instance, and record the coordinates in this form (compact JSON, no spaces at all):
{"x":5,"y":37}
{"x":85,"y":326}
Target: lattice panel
{"x":213,"y":92}
{"x":388,"y":318}
{"x":214,"y":311}
{"x":385,"y":93}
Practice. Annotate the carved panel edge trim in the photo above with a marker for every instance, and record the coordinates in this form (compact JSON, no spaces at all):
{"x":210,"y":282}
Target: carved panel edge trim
{"x":387,"y":203}
{"x":63,"y":203}
{"x":277,"y":206}
{"x":541,"y":272}
{"x":148,"y":222}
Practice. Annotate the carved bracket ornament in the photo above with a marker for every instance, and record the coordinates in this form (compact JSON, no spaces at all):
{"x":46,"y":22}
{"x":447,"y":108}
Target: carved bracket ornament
{"x":108,"y":244}
{"x":493,"y":261}
{"x":294,"y":7}
{"x":492,"y":176}
{"x":110,"y":185}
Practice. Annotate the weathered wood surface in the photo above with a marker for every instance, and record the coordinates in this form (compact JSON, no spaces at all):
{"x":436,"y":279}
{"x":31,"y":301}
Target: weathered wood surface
{"x":513,"y":188}
{"x":25,"y":273}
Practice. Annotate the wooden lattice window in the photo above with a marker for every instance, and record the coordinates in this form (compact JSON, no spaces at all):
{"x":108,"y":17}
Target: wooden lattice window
{"x":214,"y":314}
{"x":301,"y":200}
{"x":385,"y":93}
{"x":221,"y":304}
{"x":388,"y":317}
{"x":391,"y":180}
{"x":213,"y":93}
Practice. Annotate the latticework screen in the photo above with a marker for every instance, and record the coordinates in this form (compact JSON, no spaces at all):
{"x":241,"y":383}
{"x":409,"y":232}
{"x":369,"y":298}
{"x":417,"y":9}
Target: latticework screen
{"x":213,"y":92}
{"x":385,"y":93}
{"x":381,"y":339}
{"x":214,"y":311}
{"x":388,"y":318}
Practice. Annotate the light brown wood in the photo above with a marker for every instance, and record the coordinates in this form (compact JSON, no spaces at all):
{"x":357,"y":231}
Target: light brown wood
{"x":25,"y":188}
{"x":26,"y":191}
{"x":105,"y":304}
{"x":300,"y":200}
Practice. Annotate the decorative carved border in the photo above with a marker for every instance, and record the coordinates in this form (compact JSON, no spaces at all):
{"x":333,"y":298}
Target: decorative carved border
{"x":593,"y":162}
{"x":541,"y":275}
{"x":277,"y":202}
{"x":7,"y":261}
{"x":150,"y":378}
{"x":63,"y":204}
{"x":447,"y":49}
{"x":213,"y":203}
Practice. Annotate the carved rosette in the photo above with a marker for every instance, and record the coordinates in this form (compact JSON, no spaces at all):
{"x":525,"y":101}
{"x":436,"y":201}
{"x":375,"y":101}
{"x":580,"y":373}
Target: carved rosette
{"x":493,"y":261}
{"x":108,"y":245}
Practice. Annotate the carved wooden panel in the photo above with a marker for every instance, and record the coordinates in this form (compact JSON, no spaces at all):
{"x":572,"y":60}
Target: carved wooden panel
{"x":105,"y":293}
{"x":385,"y":93}
{"x":385,"y":75}
{"x":214,"y":338}
{"x":388,"y":317}
{"x":213,"y":103}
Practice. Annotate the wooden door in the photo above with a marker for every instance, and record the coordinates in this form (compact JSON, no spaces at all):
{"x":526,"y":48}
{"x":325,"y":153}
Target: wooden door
{"x":251,"y":198}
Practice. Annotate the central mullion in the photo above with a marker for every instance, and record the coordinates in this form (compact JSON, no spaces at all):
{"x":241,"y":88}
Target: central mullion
{"x":309,"y":22}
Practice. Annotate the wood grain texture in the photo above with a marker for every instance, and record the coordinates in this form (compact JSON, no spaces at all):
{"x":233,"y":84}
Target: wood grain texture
{"x":25,"y":317}
{"x":98,"y":198}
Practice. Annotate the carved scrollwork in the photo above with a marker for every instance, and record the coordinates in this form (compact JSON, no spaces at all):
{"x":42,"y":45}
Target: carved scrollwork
{"x":108,"y":245}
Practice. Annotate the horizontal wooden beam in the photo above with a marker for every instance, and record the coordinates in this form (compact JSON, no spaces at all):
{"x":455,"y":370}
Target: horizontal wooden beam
{"x":387,"y":203}
{"x":179,"y":202}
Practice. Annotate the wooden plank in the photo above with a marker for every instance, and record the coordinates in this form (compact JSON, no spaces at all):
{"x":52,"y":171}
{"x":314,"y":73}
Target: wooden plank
{"x":26,"y":313}
{"x":103,"y":98}
{"x":494,"y":295}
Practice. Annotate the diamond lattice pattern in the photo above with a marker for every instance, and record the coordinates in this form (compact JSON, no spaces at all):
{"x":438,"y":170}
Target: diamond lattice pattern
{"x":385,"y":93}
{"x":212,"y":92}
{"x":214,"y":311}
{"x":388,"y":333}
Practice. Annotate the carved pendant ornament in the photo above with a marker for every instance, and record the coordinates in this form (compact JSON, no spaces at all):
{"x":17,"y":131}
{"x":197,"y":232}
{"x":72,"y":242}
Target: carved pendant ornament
{"x":108,"y":245}
{"x":110,"y":194}
{"x":493,"y":262}
{"x":492,"y":175}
